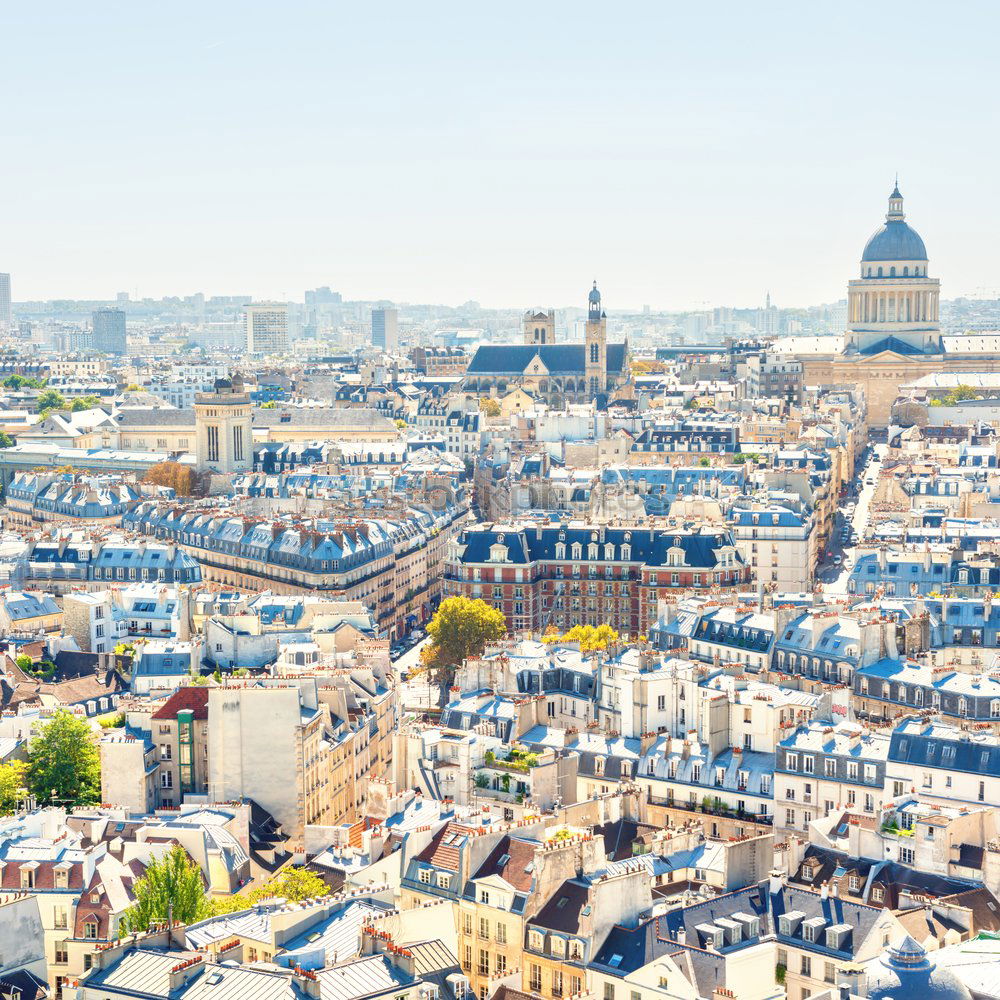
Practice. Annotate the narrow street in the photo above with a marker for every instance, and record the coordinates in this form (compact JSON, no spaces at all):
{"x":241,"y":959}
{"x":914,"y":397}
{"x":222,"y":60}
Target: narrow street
{"x":834,"y":578}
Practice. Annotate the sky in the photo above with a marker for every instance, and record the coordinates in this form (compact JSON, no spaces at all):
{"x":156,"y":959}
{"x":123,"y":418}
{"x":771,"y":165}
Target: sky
{"x":685,"y":155}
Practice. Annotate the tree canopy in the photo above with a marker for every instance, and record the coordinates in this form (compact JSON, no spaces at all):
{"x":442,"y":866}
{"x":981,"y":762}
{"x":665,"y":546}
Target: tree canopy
{"x":171,"y":887}
{"x":489,"y":406}
{"x":461,"y":628}
{"x":84,"y":403}
{"x":181,"y":478}
{"x":49,"y":400}
{"x":591,"y":638}
{"x":13,"y":777}
{"x":64,"y":763}
{"x":22,"y":382}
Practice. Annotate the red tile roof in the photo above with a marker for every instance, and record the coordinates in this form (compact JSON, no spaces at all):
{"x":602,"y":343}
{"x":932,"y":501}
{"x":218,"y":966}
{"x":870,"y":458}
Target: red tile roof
{"x":194,"y":699}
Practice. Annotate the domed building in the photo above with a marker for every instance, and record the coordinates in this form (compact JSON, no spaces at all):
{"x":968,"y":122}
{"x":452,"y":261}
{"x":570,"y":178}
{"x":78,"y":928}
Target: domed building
{"x":909,"y":971}
{"x":892,"y":335}
{"x":893,"y":306}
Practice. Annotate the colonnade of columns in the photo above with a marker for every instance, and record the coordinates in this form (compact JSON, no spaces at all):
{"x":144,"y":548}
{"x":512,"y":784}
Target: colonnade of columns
{"x":894,"y":307}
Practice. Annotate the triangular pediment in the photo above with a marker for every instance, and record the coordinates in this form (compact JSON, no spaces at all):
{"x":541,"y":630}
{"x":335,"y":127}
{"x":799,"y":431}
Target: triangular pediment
{"x":536,"y":367}
{"x":891,"y":356}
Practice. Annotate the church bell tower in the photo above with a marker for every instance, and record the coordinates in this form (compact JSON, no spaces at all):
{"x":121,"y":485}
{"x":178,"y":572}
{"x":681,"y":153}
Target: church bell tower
{"x":596,"y":361}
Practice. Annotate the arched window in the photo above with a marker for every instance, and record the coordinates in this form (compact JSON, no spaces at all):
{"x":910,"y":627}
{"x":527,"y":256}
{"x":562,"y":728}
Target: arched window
{"x":892,"y":272}
{"x":880,"y":272}
{"x":963,"y":707}
{"x":906,"y":272}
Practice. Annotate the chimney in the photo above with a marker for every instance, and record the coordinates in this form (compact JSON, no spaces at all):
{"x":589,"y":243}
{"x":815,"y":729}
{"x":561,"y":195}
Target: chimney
{"x":774,"y":882}
{"x":308,"y":982}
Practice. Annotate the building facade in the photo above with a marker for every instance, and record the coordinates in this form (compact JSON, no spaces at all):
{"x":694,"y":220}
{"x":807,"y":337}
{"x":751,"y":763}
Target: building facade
{"x":266,"y":328}
{"x":109,"y":331}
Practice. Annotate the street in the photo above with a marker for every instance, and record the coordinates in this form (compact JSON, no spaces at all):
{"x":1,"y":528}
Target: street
{"x":834,"y":578}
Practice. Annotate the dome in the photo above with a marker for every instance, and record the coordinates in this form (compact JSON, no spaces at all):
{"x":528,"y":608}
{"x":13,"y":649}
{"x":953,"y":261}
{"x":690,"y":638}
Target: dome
{"x":595,"y":295}
{"x":894,"y":241}
{"x":906,"y":971}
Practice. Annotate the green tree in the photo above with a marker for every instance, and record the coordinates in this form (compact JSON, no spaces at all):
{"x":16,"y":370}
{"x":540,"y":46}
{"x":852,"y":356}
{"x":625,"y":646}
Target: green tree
{"x":269,"y":405}
{"x":6,"y":441}
{"x":295,"y":885}
{"x":461,"y":628}
{"x":958,"y":394}
{"x":49,"y":400}
{"x":12,"y":785}
{"x":84,"y":403}
{"x":489,"y":406}
{"x":25,"y":662}
{"x":171,"y":887}
{"x":64,"y":763}
{"x":704,"y":461}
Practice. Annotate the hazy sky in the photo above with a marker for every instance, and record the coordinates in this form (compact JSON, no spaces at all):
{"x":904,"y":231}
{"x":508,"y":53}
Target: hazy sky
{"x":683,"y":154}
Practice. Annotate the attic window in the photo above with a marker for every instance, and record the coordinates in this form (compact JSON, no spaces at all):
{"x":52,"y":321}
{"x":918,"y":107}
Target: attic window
{"x":615,"y":961}
{"x":504,"y":859}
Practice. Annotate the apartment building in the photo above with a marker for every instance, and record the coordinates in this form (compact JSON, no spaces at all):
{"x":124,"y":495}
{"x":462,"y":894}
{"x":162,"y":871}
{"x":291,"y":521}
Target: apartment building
{"x":573,"y":573}
{"x":821,"y":768}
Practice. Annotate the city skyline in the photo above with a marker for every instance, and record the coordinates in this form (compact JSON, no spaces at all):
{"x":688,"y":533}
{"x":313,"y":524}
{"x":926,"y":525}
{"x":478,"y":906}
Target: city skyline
{"x":685,"y":159}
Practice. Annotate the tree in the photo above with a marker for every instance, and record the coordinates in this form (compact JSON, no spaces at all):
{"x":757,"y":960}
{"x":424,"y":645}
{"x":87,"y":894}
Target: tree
{"x":64,"y":764}
{"x":25,"y":662}
{"x":172,"y":887}
{"x":591,"y":638}
{"x":400,"y":424}
{"x":180,"y":478}
{"x":49,"y":400}
{"x":6,"y":441}
{"x":958,"y":394}
{"x":12,"y":786}
{"x":489,"y":406}
{"x":704,"y":461}
{"x":461,"y":628}
{"x":84,"y":403}
{"x":295,"y":885}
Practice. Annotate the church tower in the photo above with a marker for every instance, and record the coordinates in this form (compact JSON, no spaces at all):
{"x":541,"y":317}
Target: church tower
{"x":539,"y":327}
{"x":224,"y":427}
{"x":596,"y":361}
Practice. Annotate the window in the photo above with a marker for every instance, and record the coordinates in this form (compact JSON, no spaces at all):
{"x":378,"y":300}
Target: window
{"x":62,"y":953}
{"x":806,"y":965}
{"x":906,"y":855}
{"x":535,"y":978}
{"x":609,"y":991}
{"x":90,"y":930}
{"x":484,"y":928}
{"x":484,"y":962}
{"x":501,"y":933}
{"x":467,"y":923}
{"x":425,"y":876}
